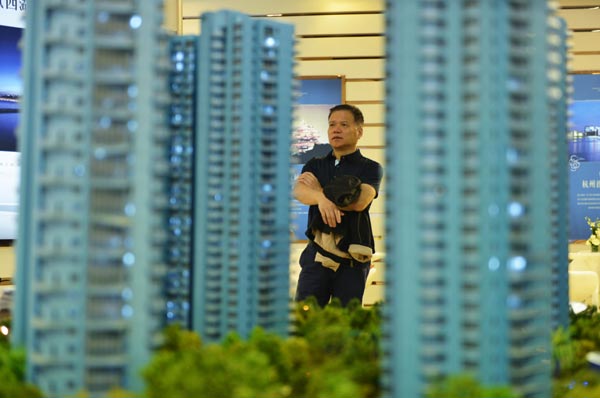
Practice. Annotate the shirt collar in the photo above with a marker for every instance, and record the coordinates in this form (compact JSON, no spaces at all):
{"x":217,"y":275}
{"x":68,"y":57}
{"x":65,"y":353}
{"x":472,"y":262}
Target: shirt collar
{"x":350,"y":157}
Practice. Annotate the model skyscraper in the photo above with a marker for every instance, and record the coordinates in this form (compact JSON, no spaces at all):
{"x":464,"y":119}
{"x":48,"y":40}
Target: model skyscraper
{"x":119,"y":221}
{"x":93,"y":198}
{"x":182,"y":119}
{"x":558,"y":97}
{"x":242,"y":235}
{"x":475,"y":118}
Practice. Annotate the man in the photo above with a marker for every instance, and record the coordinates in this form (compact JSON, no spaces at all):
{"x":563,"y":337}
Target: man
{"x":336,"y":261}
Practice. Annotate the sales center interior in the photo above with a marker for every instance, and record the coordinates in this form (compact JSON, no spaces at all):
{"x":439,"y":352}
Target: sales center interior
{"x":344,"y":39}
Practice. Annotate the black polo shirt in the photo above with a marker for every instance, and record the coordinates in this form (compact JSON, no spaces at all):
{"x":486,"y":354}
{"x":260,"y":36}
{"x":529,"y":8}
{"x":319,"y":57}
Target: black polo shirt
{"x":324,"y":168}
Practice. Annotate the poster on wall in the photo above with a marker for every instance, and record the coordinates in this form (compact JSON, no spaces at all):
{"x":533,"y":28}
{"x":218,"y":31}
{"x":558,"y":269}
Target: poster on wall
{"x":584,"y":155}
{"x":318,"y":94}
{"x":11,"y":29}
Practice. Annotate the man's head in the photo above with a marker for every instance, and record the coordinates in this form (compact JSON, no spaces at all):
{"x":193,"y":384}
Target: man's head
{"x":358,"y":116}
{"x":345,"y":128}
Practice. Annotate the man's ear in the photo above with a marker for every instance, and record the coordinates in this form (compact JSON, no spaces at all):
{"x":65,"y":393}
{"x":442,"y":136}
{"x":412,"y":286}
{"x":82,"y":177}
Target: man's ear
{"x":360,"y":131}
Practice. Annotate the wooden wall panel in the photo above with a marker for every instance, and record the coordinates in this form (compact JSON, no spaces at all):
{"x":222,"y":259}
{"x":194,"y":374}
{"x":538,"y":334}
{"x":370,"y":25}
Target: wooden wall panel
{"x":335,"y":24}
{"x":352,"y":68}
{"x":191,"y":26}
{"x":365,"y":91}
{"x":585,"y":64}
{"x":341,"y":47}
{"x":326,"y":24}
{"x":581,"y":18}
{"x":585,"y":41}
{"x":196,"y":7}
{"x":578,"y":3}
{"x":172,"y":16}
{"x":373,"y":113}
{"x":373,"y":136}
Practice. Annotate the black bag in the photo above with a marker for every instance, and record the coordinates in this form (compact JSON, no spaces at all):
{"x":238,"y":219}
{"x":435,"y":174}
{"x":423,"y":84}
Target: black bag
{"x":343,"y":190}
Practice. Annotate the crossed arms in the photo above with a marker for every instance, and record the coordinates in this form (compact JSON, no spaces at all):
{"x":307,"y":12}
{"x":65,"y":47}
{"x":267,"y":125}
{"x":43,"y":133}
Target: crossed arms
{"x":308,"y":190}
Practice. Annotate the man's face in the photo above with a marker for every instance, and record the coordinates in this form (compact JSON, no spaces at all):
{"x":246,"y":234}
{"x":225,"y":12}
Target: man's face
{"x":343,"y":131}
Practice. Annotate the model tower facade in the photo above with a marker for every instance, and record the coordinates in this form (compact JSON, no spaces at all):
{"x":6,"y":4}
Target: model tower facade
{"x":559,"y":95}
{"x":94,"y":195}
{"x":243,"y":180}
{"x":475,"y":106}
{"x":182,"y":121}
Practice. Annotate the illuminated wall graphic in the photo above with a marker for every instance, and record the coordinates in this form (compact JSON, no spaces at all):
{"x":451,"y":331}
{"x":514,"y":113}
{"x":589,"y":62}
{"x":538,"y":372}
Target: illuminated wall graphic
{"x":584,"y":155}
{"x":11,"y":30}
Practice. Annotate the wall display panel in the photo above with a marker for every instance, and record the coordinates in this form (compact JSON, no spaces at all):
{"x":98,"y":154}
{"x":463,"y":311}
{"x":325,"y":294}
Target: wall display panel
{"x":11,"y":29}
{"x":317,"y":95}
{"x":584,"y":155}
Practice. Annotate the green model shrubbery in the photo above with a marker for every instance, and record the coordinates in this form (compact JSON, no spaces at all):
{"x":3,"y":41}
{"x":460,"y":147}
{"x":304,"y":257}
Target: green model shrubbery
{"x":12,"y":371}
{"x":573,"y":376}
{"x":333,"y":352}
{"x":467,"y":386}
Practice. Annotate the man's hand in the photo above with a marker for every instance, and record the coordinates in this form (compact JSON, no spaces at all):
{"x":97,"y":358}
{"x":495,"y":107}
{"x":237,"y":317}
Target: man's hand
{"x":309,"y":179}
{"x":308,"y":190}
{"x":330,"y":214}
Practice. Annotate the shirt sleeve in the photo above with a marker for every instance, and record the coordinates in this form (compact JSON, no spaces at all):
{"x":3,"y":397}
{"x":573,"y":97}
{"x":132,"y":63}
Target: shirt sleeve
{"x":310,"y":166}
{"x":372,"y":175}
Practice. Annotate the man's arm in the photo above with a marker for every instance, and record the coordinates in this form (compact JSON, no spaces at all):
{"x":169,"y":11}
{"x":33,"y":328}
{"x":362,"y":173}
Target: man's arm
{"x":367,"y":194}
{"x":308,"y":190}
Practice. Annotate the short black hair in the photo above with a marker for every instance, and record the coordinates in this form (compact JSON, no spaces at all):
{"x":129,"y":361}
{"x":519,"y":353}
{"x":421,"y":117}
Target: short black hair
{"x":358,"y":116}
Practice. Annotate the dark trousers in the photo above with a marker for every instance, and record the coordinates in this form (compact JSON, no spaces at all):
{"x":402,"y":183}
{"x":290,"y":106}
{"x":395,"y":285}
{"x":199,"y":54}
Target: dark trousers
{"x":323,"y":283}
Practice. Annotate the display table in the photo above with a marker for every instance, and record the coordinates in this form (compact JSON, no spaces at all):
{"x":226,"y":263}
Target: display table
{"x":584,"y":277}
{"x":584,"y":261}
